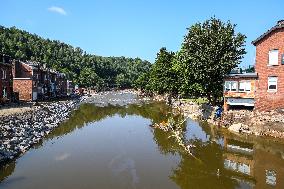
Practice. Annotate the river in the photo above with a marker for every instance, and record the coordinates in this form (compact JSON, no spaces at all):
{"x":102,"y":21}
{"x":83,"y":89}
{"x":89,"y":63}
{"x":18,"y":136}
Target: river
{"x":114,"y":147}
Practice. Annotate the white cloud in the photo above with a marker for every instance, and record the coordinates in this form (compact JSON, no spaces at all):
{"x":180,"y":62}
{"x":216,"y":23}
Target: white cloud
{"x":58,"y":10}
{"x":62,"y":157}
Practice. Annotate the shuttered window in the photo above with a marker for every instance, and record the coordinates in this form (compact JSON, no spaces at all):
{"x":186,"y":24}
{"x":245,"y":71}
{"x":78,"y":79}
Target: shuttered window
{"x":245,"y":86}
{"x":273,"y":57}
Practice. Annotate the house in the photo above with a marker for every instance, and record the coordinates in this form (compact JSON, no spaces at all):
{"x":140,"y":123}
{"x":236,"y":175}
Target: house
{"x":269,"y":64}
{"x":239,"y":90}
{"x":33,"y":81}
{"x":61,"y":85}
{"x":27,"y":80}
{"x":266,"y":89}
{"x":70,"y":88}
{"x":5,"y":78}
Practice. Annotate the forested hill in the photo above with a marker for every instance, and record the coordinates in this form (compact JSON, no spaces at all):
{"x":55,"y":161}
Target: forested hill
{"x":85,"y":69}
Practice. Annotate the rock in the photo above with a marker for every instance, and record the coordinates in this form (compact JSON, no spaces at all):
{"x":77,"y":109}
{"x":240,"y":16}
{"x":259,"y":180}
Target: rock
{"x":235,"y":127}
{"x":20,"y":131}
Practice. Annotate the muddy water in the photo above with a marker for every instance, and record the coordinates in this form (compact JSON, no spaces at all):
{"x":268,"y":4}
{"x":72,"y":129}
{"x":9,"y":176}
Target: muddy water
{"x":114,"y":147}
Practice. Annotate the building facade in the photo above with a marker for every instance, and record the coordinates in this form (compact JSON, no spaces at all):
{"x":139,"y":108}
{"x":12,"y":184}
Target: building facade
{"x":239,"y":90}
{"x":269,"y":64}
{"x":6,"y":79}
{"x":267,"y":85}
{"x":33,"y":81}
{"x":27,"y":80}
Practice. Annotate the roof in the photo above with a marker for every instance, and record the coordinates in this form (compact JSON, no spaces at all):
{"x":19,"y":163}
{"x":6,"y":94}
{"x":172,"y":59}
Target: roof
{"x":279,"y":25}
{"x":243,"y":75}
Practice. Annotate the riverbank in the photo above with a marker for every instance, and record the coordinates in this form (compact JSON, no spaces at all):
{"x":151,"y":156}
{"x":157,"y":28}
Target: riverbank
{"x":247,"y":122}
{"x":21,"y":128}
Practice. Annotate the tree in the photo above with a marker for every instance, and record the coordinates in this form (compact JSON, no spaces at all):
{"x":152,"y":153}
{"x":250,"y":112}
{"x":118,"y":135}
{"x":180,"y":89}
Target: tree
{"x":209,"y":51}
{"x":88,"y":78}
{"x":163,"y":77}
{"x":74,"y":62}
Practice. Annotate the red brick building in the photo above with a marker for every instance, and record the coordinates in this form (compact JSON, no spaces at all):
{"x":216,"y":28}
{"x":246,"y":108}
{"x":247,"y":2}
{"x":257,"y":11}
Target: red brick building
{"x":5,"y":79}
{"x":269,"y":64}
{"x":34,"y":82}
{"x":27,"y":80}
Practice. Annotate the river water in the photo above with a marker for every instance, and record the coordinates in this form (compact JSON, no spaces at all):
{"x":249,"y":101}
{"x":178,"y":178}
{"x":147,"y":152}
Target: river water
{"x":114,"y":147}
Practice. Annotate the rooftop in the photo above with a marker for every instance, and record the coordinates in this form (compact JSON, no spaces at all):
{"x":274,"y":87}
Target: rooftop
{"x":243,"y":75}
{"x":279,"y":25}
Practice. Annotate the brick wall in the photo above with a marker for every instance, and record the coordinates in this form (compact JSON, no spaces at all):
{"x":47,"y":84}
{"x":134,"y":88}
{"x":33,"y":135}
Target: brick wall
{"x":269,"y":100}
{"x":24,"y":88}
{"x":21,"y":70}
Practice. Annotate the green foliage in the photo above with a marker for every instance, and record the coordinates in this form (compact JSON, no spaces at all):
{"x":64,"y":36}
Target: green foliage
{"x":89,"y":78}
{"x":72,"y":61}
{"x":210,"y":51}
{"x":162,"y":77}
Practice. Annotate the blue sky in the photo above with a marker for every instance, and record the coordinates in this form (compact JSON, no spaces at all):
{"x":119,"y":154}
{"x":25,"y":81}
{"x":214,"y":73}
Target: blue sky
{"x":136,"y":28}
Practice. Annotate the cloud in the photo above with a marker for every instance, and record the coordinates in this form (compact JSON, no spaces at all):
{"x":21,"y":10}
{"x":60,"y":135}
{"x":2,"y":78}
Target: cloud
{"x":62,"y":157}
{"x":58,"y":10}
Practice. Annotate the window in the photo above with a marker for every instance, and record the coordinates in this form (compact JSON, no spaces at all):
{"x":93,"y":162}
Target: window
{"x":227,"y":86}
{"x":273,"y":57}
{"x":245,"y":86}
{"x":234,"y":86}
{"x":272,"y":83}
{"x":4,"y":75}
{"x":231,"y":85}
{"x":4,"y":92}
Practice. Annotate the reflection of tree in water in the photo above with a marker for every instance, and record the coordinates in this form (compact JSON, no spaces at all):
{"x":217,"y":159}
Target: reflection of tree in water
{"x":89,"y":113}
{"x":199,"y":172}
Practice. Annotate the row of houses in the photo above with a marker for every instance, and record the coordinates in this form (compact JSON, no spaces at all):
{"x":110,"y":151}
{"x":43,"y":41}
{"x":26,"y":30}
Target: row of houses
{"x":264,"y":89}
{"x":29,"y":81}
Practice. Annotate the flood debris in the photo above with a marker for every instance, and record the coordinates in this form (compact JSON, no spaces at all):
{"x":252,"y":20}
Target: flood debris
{"x":175,"y":128}
{"x":270,"y":123}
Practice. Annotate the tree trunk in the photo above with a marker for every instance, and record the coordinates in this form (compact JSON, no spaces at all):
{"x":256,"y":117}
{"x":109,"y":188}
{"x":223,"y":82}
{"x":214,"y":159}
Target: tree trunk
{"x":209,"y":98}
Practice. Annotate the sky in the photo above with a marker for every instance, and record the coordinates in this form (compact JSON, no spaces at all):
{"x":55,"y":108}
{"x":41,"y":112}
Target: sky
{"x":136,"y":28}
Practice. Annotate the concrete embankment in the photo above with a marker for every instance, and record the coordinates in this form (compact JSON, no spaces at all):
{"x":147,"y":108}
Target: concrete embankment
{"x":20,"y":131}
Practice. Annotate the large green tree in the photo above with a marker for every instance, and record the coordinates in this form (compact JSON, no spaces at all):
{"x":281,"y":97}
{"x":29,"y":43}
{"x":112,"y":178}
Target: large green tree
{"x":209,"y":51}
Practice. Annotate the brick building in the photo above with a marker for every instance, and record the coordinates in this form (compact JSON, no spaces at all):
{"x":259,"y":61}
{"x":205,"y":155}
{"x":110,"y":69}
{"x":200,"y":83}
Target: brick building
{"x":268,"y":93}
{"x":34,"y":82}
{"x":27,"y":80}
{"x":5,"y":79}
{"x":269,"y":64}
{"x":239,"y":90}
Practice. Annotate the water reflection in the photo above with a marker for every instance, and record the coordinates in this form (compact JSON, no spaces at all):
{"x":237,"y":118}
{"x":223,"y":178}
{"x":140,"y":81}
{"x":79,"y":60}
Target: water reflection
{"x":143,"y":157}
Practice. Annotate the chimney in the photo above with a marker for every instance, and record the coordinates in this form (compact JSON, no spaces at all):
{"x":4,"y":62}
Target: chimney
{"x":280,"y":23}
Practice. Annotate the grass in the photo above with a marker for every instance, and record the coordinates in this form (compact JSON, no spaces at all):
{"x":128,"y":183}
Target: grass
{"x":195,"y":100}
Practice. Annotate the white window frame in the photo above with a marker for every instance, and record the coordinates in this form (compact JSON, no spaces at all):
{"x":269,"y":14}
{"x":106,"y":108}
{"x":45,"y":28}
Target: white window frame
{"x":247,"y":86}
{"x":4,"y":74}
{"x":271,"y":81}
{"x":229,"y":83}
{"x":273,"y":57}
